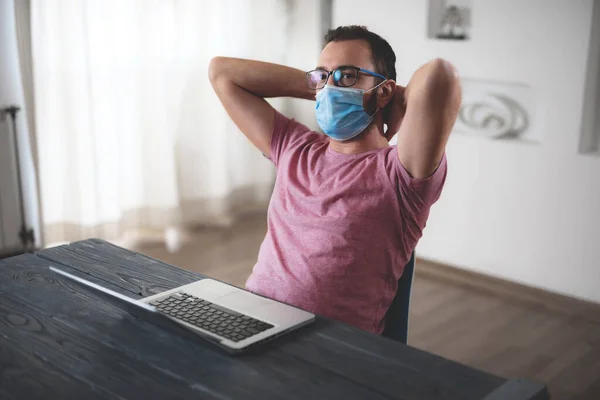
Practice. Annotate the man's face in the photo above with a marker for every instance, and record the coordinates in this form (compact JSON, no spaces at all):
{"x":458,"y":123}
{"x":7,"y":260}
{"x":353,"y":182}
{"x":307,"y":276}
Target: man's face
{"x":354,"y":53}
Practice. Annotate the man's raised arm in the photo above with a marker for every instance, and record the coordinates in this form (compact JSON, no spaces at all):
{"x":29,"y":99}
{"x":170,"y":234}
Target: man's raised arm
{"x":242,"y":86}
{"x":432,"y":100}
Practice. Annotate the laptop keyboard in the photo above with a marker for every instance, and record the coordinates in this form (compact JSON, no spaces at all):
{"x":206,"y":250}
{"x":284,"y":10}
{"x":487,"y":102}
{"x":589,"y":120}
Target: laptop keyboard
{"x":210,"y":317}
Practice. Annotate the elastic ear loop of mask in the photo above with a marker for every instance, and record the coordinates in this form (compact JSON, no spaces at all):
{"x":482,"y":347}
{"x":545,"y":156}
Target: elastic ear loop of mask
{"x":373,"y":88}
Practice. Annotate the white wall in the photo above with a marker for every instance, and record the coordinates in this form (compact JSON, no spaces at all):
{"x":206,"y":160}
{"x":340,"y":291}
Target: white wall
{"x":527,"y":213}
{"x":304,"y":47}
{"x":11,"y":93}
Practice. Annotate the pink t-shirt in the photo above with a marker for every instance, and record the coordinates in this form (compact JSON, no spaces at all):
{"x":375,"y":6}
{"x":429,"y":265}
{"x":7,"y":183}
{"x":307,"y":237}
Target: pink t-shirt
{"x":341,"y":227}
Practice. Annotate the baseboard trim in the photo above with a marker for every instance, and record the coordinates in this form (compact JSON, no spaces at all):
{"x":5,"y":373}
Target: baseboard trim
{"x":537,"y":297}
{"x":7,"y":253}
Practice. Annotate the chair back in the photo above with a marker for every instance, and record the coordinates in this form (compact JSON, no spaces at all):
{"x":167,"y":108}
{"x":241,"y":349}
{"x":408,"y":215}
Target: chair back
{"x":396,"y":318}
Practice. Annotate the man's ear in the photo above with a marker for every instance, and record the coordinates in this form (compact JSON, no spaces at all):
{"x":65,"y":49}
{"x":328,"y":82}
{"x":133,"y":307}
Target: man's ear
{"x":385,"y":93}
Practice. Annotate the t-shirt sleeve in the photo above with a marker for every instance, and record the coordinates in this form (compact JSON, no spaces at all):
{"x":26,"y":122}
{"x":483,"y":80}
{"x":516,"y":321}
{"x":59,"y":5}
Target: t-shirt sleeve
{"x":289,"y":135}
{"x":421,"y":192}
{"x":416,"y":196}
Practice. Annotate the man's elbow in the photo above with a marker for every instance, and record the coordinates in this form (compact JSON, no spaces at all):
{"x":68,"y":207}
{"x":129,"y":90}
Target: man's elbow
{"x":444,"y":81}
{"x":442,"y":69}
{"x":216,"y":68}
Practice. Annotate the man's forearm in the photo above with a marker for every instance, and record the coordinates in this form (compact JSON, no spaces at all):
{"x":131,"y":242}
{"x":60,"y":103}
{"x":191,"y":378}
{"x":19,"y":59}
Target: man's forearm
{"x":261,"y":78}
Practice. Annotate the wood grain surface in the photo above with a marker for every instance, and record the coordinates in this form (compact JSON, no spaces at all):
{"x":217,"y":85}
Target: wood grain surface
{"x":58,"y":338}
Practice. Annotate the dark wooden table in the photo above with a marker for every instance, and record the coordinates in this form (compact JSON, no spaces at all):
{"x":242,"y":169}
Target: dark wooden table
{"x":59,"y":340}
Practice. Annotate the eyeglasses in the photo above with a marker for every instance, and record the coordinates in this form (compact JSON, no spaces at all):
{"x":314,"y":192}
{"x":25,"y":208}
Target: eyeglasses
{"x":343,"y":76}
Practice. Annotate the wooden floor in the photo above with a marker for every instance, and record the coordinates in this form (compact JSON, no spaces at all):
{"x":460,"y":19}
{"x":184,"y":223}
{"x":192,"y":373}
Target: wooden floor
{"x":498,"y":334}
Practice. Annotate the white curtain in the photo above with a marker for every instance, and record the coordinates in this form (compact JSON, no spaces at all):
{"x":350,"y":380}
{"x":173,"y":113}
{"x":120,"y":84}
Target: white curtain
{"x":130,"y":133}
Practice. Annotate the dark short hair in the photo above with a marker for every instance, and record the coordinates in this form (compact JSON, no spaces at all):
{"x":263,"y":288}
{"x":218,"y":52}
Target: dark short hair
{"x":382,"y":53}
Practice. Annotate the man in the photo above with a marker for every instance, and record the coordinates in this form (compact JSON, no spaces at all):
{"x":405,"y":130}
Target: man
{"x":347,"y":210}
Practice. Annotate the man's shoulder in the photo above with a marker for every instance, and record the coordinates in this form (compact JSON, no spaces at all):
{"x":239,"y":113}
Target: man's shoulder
{"x":289,"y":124}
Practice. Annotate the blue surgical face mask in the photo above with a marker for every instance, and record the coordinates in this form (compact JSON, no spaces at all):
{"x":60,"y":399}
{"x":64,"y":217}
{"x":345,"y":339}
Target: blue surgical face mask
{"x":340,"y":111}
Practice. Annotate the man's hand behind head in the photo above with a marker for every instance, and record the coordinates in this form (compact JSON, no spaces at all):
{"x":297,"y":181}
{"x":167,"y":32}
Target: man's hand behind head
{"x":394,"y":112}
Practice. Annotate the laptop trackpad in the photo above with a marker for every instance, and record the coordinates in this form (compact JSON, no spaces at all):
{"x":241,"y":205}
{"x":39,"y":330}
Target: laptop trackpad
{"x":243,"y":301}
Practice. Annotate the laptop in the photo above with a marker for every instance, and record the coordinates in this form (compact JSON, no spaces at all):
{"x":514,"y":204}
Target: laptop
{"x":225,"y":315}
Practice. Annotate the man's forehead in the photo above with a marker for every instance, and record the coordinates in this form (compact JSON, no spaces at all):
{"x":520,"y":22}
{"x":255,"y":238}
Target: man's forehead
{"x":348,"y":52}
